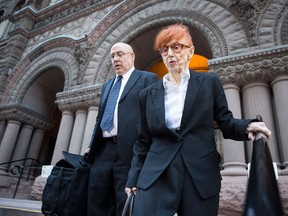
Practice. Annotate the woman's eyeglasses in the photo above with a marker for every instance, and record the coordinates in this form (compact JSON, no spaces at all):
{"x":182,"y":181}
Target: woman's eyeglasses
{"x":175,"y":47}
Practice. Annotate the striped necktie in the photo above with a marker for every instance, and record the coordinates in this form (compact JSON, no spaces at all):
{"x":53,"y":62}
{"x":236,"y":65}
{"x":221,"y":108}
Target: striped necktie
{"x":107,"y":119}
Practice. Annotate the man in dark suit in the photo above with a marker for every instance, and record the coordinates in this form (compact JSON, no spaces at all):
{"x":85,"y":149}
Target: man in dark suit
{"x":175,"y":167}
{"x":114,"y":134}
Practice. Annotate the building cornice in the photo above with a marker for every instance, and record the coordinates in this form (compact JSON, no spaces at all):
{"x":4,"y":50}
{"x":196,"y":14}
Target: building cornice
{"x":262,"y":65}
{"x":60,"y":14}
{"x":79,"y":98}
{"x":25,"y":116}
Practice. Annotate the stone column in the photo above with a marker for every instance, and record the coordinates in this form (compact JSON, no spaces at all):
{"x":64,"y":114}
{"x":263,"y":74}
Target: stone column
{"x":64,"y":135}
{"x":22,"y":143}
{"x":2,"y":129}
{"x":78,"y":132}
{"x":89,"y":128}
{"x":234,"y":151}
{"x":9,"y":140}
{"x":36,"y":143}
{"x":280,"y":92}
{"x":257,"y":100}
{"x":34,"y":148}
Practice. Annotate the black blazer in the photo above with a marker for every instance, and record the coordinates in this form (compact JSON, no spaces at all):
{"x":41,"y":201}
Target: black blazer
{"x":157,"y":145}
{"x":128,"y":115}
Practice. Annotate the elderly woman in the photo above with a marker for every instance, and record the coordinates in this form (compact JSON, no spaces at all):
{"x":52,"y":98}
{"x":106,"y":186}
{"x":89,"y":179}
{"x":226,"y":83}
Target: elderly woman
{"x":175,"y":167}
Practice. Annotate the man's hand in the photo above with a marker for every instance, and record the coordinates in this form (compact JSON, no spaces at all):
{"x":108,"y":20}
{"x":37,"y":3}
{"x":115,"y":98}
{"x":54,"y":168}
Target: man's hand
{"x":257,"y":127}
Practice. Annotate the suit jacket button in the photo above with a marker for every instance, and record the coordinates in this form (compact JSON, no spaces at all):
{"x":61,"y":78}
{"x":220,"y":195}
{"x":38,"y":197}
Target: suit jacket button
{"x":179,"y":139}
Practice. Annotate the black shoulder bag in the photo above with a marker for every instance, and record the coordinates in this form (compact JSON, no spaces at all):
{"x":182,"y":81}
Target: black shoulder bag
{"x":65,"y":192}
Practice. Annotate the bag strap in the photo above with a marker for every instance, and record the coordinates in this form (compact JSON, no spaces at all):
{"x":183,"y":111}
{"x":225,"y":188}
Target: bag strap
{"x":131,"y":204}
{"x":55,"y":193}
{"x":128,"y":207}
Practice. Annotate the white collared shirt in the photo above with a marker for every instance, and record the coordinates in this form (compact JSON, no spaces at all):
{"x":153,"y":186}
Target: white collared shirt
{"x":114,"y":130}
{"x":174,"y":98}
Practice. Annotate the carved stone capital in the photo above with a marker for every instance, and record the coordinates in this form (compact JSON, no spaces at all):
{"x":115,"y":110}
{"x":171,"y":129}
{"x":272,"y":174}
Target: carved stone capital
{"x":25,"y":116}
{"x":79,"y":98}
{"x":263,"y":66}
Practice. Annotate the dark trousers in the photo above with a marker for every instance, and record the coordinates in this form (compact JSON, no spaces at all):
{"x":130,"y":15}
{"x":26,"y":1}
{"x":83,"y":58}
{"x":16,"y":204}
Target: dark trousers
{"x":108,"y":176}
{"x":174,"y":191}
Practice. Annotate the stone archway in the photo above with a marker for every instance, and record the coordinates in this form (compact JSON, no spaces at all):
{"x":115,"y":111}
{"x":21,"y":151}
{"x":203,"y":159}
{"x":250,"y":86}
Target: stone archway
{"x":31,"y":92}
{"x":40,"y":97}
{"x":41,"y":94}
{"x":30,"y":68}
{"x":126,"y":24}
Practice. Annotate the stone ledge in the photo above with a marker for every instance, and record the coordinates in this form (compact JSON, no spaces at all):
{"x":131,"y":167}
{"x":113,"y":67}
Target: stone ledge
{"x":20,"y":207}
{"x":233,"y":195}
{"x":13,"y":212}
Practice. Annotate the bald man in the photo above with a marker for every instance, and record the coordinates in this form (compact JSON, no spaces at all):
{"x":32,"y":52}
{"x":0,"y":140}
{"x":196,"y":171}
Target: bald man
{"x":111,"y":146}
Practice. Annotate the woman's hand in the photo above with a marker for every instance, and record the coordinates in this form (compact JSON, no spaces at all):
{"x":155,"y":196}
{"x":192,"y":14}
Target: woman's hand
{"x":131,"y":190}
{"x":257,"y":127}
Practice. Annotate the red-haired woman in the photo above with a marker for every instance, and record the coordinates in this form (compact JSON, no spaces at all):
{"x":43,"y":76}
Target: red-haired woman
{"x":175,"y":167}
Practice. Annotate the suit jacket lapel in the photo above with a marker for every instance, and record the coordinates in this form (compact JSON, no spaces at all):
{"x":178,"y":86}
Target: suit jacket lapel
{"x":107,"y":89}
{"x":159,"y":106}
{"x":158,"y":101}
{"x":130,"y":83}
{"x":194,"y":85}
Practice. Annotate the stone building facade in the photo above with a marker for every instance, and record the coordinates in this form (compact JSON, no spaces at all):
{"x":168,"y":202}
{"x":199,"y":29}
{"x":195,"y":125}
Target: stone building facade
{"x":55,"y":56}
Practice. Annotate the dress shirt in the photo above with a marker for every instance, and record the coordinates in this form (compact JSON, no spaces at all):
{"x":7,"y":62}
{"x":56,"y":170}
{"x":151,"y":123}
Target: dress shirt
{"x":114,"y":130}
{"x":174,"y":97}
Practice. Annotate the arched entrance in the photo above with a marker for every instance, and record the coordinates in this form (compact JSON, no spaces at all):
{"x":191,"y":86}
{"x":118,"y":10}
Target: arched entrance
{"x":32,"y":122}
{"x":41,"y":97}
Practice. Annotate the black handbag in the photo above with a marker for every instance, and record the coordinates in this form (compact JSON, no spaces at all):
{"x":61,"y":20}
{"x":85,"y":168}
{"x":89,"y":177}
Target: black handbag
{"x":262,"y":196}
{"x":65,"y":192}
{"x":128,"y":207}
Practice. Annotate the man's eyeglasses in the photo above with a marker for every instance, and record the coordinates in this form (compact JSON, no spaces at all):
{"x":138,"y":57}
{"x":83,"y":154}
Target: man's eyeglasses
{"x":175,"y":47}
{"x":119,"y":54}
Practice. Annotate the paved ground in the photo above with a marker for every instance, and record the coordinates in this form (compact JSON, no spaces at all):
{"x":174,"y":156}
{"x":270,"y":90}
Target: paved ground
{"x":20,"y":207}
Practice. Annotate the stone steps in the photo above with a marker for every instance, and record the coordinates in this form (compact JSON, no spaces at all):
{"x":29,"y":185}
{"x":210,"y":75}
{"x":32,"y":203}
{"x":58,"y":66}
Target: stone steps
{"x":20,"y":207}
{"x":13,"y":212}
{"x":8,"y":186}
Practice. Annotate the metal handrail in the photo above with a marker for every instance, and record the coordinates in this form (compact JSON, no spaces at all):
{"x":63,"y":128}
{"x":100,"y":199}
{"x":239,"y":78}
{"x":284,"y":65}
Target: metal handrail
{"x":18,"y":169}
